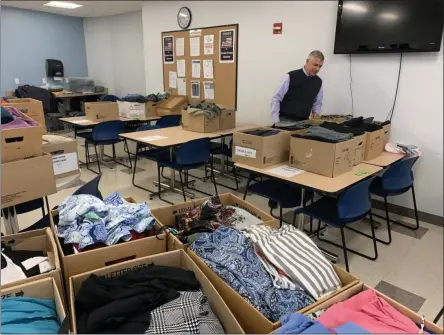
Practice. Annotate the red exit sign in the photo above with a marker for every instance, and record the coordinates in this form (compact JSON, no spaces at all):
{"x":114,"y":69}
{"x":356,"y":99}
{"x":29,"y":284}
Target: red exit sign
{"x":277,"y":28}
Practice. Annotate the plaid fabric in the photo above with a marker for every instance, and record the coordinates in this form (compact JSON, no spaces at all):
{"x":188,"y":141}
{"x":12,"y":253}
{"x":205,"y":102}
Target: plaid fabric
{"x":189,"y":314}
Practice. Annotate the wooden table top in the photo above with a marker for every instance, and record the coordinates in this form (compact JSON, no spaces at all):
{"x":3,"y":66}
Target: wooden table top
{"x":83,"y":121}
{"x":386,"y":159}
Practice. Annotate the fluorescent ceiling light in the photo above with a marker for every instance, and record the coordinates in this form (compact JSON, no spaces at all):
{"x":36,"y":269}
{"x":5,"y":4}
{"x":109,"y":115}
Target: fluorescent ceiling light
{"x":62,"y":4}
{"x":388,"y":16}
{"x":356,"y":8}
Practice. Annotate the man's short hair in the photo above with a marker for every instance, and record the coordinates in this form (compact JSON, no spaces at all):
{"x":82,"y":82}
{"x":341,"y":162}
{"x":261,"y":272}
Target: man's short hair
{"x":316,"y":54}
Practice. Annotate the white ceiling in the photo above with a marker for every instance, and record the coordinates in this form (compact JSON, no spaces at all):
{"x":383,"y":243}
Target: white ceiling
{"x":89,"y":8}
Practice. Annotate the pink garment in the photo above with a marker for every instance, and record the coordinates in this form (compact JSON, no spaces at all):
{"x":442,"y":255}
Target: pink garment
{"x":370,"y":312}
{"x":19,"y":121}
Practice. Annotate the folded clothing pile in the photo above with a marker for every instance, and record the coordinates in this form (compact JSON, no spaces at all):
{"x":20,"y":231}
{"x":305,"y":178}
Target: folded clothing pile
{"x":17,"y":121}
{"x":361,"y":123}
{"x":135,"y":98}
{"x":406,"y":149}
{"x":85,"y":220}
{"x":209,"y":216}
{"x":363,"y":313}
{"x":209,"y":109}
{"x":231,"y":255}
{"x":21,"y":264}
{"x":157,"y":97}
{"x":293,"y":125}
{"x":263,"y":132}
{"x":340,"y":128}
{"x":23,"y":315}
{"x":151,"y":299}
{"x":322,"y":134}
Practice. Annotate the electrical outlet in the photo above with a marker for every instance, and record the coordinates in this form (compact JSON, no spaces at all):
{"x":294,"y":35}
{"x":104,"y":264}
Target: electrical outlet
{"x":44,"y":80}
{"x":67,"y":80}
{"x":17,"y":81}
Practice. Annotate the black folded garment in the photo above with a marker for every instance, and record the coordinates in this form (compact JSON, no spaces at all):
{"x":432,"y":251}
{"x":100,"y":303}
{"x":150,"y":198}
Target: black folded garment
{"x":342,"y":129}
{"x":263,"y":132}
{"x":358,"y":122}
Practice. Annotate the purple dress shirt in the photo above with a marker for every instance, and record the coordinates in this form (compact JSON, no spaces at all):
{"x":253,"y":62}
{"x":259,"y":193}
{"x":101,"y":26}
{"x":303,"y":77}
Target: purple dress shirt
{"x":280,"y":94}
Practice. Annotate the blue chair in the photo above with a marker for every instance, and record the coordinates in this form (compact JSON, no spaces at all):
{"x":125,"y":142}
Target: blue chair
{"x":188,"y":156}
{"x":353,"y":205}
{"x":110,"y":98}
{"x":105,"y":133}
{"x":91,"y":188}
{"x":277,"y":192}
{"x":168,"y":121}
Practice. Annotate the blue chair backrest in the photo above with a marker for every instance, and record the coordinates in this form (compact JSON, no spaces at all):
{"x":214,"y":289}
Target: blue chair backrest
{"x":356,"y":201}
{"x":91,"y":188}
{"x":110,"y":98}
{"x":147,"y":128}
{"x":108,"y":130}
{"x":400,"y":175}
{"x":194,"y":152}
{"x":169,"y":121}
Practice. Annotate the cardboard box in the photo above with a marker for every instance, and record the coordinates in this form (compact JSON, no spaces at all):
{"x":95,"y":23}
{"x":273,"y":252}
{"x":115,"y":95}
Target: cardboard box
{"x":102,"y":257}
{"x":27,"y":179}
{"x":39,"y":289}
{"x":166,"y":216}
{"x":200,"y":123}
{"x":326,"y":159}
{"x":136,"y":110}
{"x":64,"y":155}
{"x":387,"y":128}
{"x":227,"y":119}
{"x":172,"y":106}
{"x":415,"y":317}
{"x":250,"y":319}
{"x":21,"y":143}
{"x":359,"y":149}
{"x":36,"y":240}
{"x":102,"y":111}
{"x":261,"y":152}
{"x":31,"y":107}
{"x":374,"y":144}
{"x":178,"y":259}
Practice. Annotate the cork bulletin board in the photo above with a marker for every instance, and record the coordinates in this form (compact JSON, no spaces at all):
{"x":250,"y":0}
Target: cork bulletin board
{"x":203,"y":44}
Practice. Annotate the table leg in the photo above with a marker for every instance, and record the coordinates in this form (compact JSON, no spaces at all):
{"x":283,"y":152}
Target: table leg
{"x":301,"y":216}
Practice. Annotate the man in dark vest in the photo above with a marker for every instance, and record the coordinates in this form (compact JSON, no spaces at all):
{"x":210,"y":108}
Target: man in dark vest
{"x":300,"y":94}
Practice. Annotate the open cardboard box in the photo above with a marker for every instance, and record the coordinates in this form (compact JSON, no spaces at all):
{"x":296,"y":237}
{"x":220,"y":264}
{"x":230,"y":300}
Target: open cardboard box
{"x":250,"y":319}
{"x":36,"y":240}
{"x":102,"y":257}
{"x":261,"y":151}
{"x":27,"y":179}
{"x":358,"y":152}
{"x":102,"y":111}
{"x":374,"y":146}
{"x":64,"y":156}
{"x":40,"y":289}
{"x":21,"y":143}
{"x":415,"y":317}
{"x":166,"y":216}
{"x":199,"y":123}
{"x":177,"y":259}
{"x":172,"y":106}
{"x":137,"y":110}
{"x":31,"y":107}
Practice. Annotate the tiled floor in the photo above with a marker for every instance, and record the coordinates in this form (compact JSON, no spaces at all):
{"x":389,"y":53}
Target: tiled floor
{"x":410,"y":270}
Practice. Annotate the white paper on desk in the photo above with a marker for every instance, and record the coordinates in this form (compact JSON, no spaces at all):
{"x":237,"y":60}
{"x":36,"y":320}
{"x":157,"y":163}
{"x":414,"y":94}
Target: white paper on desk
{"x":208,"y":44}
{"x":181,"y":68}
{"x":208,"y":90}
{"x":173,"y":79}
{"x":286,"y":171}
{"x":31,"y":262}
{"x":80,"y":121}
{"x":244,"y":152}
{"x":180,"y":46}
{"x":195,"y":46}
{"x":195,"y":68}
{"x":208,"y":68}
{"x":65,"y":163}
{"x":181,"y":86}
{"x":152,"y":138}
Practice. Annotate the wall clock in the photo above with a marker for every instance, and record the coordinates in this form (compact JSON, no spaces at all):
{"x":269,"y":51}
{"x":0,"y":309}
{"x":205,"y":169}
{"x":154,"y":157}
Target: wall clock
{"x":184,"y":17}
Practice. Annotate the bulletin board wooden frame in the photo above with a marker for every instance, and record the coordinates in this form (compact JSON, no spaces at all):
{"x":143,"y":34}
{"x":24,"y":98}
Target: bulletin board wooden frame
{"x":224,"y":74}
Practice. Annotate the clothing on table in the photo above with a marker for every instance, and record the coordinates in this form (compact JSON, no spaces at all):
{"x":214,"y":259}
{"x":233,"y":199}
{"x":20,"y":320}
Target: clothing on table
{"x":319,"y":133}
{"x":190,"y":313}
{"x":209,"y":109}
{"x":262,"y":132}
{"x":24,"y":315}
{"x":295,"y":254}
{"x":406,"y":149}
{"x":369,"y":312}
{"x":360,"y":122}
{"x":162,"y":96}
{"x":293,"y":125}
{"x":19,"y":121}
{"x":123,"y":304}
{"x":279,"y":96}
{"x":87,"y":220}
{"x":134,"y":98}
{"x":230,"y":254}
{"x":300,"y":324}
{"x":10,"y":271}
{"x":6,"y":116}
{"x":339,"y":128}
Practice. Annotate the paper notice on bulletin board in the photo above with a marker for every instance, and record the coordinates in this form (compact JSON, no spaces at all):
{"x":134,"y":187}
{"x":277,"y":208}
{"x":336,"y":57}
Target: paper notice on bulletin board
{"x":181,"y":68}
{"x":208,"y":90}
{"x":195,"y":68}
{"x":181,"y":86}
{"x":168,"y":50}
{"x":173,"y":79}
{"x":195,"y":89}
{"x":208,"y":68}
{"x":195,"y":46}
{"x":208,"y":44}
{"x":180,"y":46}
{"x":226,"y":46}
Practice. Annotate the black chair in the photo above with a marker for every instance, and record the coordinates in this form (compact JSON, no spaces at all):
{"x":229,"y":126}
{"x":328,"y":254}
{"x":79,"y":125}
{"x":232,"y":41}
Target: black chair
{"x":226,"y":152}
{"x":91,"y":188}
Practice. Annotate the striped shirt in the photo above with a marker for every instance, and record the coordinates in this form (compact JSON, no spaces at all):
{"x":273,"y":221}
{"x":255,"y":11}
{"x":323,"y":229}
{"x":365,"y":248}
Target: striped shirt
{"x":294,"y":253}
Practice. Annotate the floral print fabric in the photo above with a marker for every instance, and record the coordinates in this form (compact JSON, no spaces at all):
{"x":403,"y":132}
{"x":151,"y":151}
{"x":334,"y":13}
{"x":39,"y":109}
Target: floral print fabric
{"x":87,"y":220}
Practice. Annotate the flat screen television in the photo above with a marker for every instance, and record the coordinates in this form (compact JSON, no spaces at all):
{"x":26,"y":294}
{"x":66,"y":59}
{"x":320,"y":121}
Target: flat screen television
{"x":389,"y":26}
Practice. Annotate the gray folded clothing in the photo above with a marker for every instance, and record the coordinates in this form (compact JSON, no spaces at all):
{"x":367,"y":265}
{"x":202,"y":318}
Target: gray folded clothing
{"x":325,"y":135}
